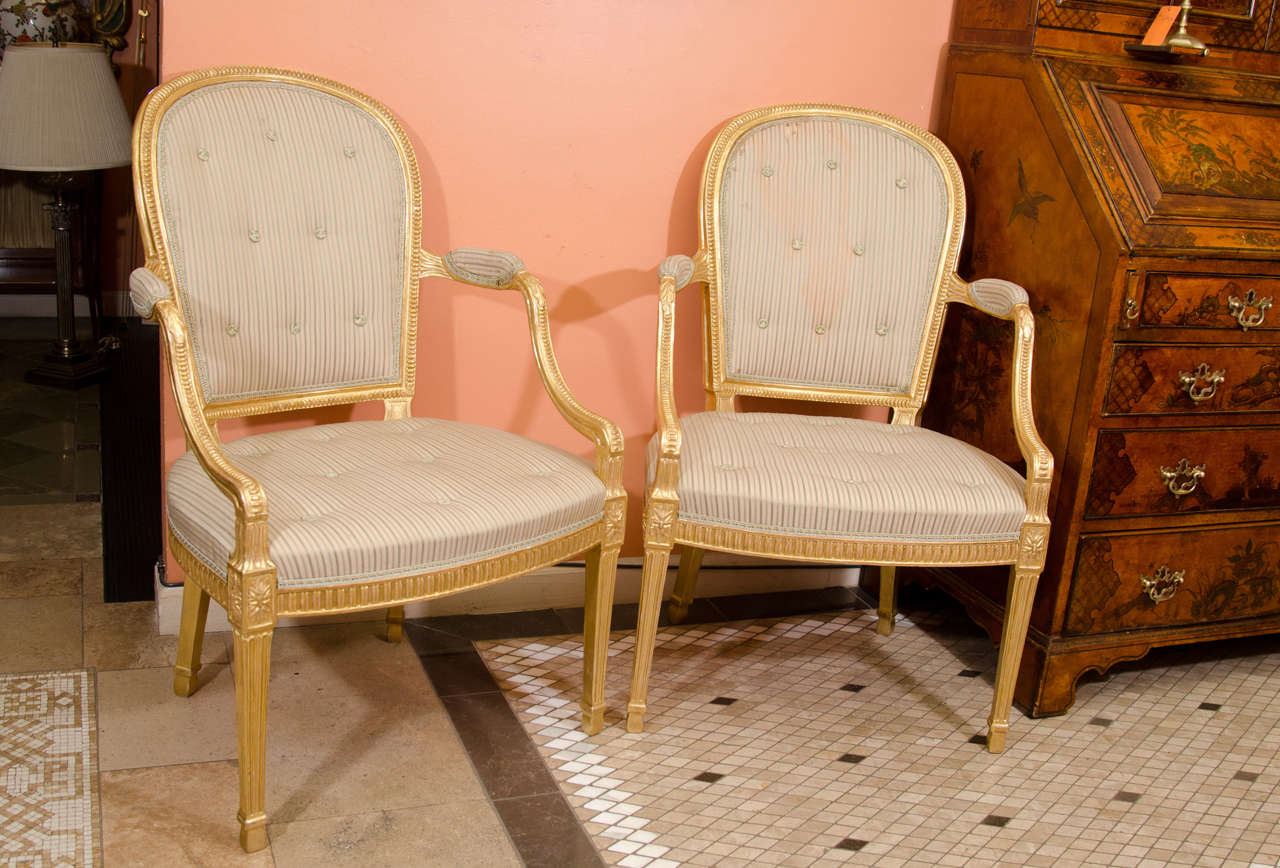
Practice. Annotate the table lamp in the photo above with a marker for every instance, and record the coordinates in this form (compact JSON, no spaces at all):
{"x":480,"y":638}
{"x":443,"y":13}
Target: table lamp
{"x":61,"y":116}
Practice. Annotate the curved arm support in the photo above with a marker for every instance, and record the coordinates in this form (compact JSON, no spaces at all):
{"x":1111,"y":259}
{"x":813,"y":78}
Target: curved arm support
{"x":1038,"y":458}
{"x":1007,"y":300}
{"x":250,"y":572}
{"x":604,"y":433}
{"x":669,"y":439}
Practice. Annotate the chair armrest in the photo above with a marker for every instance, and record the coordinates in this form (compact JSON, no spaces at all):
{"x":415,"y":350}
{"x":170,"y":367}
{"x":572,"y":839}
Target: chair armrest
{"x":1007,"y":300}
{"x":678,"y":267}
{"x":497,"y":269}
{"x":996,"y":297}
{"x":146,"y":290}
{"x":482,"y":267}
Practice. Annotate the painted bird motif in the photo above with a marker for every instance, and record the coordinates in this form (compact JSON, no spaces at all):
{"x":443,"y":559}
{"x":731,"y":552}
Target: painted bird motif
{"x":1029,"y":205}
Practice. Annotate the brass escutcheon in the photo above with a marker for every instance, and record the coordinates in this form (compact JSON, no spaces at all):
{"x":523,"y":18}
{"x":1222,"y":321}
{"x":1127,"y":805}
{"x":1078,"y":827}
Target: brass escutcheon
{"x":1238,"y":308}
{"x":1182,"y":478}
{"x":1163,"y":584}
{"x":1189,"y":379}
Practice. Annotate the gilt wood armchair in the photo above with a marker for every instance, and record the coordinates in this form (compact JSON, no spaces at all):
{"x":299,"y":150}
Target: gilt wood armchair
{"x":829,"y":240}
{"x":282,"y":224}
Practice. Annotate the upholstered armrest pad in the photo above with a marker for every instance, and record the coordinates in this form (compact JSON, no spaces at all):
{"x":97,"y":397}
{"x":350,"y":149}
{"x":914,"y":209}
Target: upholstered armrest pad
{"x":146,"y":290}
{"x":485,"y":267}
{"x":996,"y":297}
{"x":679,"y":266}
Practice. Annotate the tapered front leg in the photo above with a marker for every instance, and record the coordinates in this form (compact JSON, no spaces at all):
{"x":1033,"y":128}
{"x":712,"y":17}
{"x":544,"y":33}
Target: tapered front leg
{"x":195,"y":612}
{"x":602,"y":568}
{"x":1017,"y":615}
{"x":252,"y":670}
{"x":656,"y":555}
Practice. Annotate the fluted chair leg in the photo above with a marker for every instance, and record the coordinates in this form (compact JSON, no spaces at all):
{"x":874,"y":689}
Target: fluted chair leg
{"x":394,"y":630}
{"x":656,"y":555}
{"x":252,"y":670}
{"x":195,"y":612}
{"x":1017,"y":615}
{"x":686,"y":578}
{"x":602,"y":567}
{"x":887,"y":612}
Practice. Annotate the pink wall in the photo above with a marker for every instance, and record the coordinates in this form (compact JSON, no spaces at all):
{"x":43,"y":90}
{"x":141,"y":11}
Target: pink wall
{"x":571,"y":132}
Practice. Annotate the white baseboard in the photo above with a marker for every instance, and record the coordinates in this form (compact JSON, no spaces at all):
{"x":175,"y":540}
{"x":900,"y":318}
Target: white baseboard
{"x":558,"y":587}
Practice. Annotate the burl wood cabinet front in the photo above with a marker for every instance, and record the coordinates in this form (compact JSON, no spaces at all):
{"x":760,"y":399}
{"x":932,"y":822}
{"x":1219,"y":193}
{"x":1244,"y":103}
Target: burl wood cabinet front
{"x":1139,"y":204}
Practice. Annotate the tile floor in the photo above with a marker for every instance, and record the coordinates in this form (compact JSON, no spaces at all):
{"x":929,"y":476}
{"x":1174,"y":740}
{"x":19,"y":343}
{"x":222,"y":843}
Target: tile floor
{"x":805,"y":740}
{"x":811,"y":740}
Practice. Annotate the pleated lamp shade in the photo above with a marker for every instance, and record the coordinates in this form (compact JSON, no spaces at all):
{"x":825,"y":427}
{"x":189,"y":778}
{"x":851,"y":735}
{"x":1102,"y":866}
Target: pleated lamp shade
{"x":60,"y":110}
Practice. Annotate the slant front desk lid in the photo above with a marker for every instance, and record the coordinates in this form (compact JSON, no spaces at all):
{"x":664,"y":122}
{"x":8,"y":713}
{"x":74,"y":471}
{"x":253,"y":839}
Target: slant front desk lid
{"x":1187,"y":159}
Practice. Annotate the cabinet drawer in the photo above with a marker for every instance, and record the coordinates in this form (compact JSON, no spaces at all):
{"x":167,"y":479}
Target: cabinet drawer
{"x":1181,"y":470}
{"x":1225,"y":573}
{"x":1190,"y":379}
{"x":1236,"y":302}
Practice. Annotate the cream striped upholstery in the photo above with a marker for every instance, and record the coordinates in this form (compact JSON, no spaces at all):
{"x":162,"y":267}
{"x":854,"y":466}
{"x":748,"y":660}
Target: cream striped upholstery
{"x":846,"y":478}
{"x":285,"y":209}
{"x":363,"y":500}
{"x":831,"y":231}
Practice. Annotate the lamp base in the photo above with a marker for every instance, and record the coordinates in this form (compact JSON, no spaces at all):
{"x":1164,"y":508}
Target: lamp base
{"x":67,"y":370}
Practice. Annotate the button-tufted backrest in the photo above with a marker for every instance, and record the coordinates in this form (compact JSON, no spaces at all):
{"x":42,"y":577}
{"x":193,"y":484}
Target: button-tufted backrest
{"x":829,"y":234}
{"x":286,"y":211}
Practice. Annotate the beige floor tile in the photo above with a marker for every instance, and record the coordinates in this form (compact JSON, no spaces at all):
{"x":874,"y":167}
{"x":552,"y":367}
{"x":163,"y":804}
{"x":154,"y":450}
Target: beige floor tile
{"x":458,"y":834}
{"x":356,"y":723}
{"x":50,"y":530}
{"x":40,"y":633}
{"x":92,"y":579}
{"x":124,"y":636}
{"x":174,"y":817}
{"x":56,"y":577}
{"x":142,"y":722}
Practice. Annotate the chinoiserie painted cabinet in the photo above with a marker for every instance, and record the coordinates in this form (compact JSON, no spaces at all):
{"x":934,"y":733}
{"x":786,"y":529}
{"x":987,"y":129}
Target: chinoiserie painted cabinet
{"x":1139,"y":204}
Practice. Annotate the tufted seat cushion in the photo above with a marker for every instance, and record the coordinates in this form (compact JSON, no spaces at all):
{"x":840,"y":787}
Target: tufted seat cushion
{"x":356,"y":500}
{"x":810,"y":475}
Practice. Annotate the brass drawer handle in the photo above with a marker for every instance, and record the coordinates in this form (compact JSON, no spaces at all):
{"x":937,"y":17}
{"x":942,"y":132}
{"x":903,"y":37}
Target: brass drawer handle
{"x":1189,"y":379}
{"x":1238,"y":308}
{"x":1182,"y":478}
{"x":1130,"y":309}
{"x":1163,"y":584}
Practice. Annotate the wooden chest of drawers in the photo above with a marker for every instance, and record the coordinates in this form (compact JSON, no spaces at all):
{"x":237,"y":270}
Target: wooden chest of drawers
{"x":1139,"y":204}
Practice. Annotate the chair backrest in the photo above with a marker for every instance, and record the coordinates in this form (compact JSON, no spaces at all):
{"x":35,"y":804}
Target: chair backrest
{"x":284,"y":210}
{"x":831,"y":234}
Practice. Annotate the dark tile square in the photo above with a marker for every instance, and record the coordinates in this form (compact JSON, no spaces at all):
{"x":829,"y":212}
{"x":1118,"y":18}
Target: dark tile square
{"x":545,"y":832}
{"x":1101,"y":721}
{"x":1126,"y":796}
{"x":1245,"y":776}
{"x":1209,"y":706}
{"x":723,"y":700}
{"x":854,"y":688}
{"x":996,"y":820}
{"x":458,"y":673}
{"x":969,"y":673}
{"x":854,"y":844}
{"x":708,"y":777}
{"x":851,"y":758}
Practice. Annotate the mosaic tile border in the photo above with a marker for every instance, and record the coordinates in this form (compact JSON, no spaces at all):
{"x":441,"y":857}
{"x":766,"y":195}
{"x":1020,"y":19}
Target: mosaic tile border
{"x":49,"y":770}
